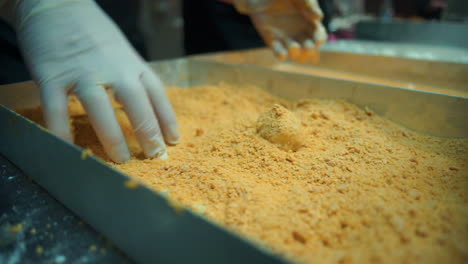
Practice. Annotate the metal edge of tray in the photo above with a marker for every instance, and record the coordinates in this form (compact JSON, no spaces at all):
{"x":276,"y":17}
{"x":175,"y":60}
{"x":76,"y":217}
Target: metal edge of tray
{"x":441,"y":76}
{"x":430,"y":113}
{"x":142,"y":223}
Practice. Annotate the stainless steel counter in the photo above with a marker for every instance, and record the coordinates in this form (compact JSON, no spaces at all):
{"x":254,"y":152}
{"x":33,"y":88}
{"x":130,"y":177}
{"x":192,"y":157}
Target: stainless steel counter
{"x":36,"y":228}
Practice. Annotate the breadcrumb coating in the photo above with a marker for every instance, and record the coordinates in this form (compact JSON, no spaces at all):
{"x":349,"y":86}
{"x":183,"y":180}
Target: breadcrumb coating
{"x":317,"y":181}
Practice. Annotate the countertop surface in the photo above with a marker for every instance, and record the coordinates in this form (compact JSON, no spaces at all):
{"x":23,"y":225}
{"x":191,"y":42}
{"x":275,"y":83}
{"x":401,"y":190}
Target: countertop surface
{"x":36,"y":228}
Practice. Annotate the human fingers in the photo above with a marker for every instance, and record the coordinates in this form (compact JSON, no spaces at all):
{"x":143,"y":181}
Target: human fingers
{"x":162,"y":106}
{"x":102,"y":117}
{"x":55,"y":109}
{"x":131,"y":94}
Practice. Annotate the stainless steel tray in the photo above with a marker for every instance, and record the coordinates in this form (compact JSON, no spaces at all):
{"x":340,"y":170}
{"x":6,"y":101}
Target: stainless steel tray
{"x":141,"y":222}
{"x":381,"y":63}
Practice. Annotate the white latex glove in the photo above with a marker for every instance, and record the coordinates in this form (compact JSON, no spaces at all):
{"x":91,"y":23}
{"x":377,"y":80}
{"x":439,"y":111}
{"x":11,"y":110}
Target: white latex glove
{"x":292,"y":28}
{"x":71,"y":46}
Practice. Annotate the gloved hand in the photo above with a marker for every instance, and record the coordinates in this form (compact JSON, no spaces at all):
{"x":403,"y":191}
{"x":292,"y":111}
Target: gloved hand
{"x":71,"y":46}
{"x":292,"y":28}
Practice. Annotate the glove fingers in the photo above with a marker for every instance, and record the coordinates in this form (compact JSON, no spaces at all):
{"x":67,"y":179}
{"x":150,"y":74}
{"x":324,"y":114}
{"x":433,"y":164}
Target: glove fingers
{"x":305,"y":52}
{"x":311,"y":52}
{"x":320,"y":34}
{"x":291,"y":49}
{"x":55,"y":108}
{"x":261,"y":25}
{"x":279,"y":50}
{"x":162,"y":106}
{"x":283,"y":35}
{"x":310,"y":9}
{"x":270,"y":37}
{"x":102,"y":117}
{"x":294,"y":50}
{"x":141,"y":115}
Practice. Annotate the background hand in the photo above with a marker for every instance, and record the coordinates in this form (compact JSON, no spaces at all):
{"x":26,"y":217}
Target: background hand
{"x":292,"y":28}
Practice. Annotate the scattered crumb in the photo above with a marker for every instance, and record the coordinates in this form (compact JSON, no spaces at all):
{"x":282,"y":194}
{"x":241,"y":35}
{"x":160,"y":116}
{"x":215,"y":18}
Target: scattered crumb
{"x":164,"y":193}
{"x":199,"y":132}
{"x":298,"y":237}
{"x":39,"y":250}
{"x":86,"y":153}
{"x":92,"y":248}
{"x":176,"y":205}
{"x":17,"y":228}
{"x":132,"y":184}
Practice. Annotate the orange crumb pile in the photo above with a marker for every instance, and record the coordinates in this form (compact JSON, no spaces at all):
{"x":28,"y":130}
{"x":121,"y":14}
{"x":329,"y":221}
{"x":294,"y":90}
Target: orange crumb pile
{"x":354,"y":188}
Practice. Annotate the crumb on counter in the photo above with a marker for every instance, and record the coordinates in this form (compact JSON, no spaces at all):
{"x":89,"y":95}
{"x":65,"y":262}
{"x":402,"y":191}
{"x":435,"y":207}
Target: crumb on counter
{"x":17,"y":228}
{"x":86,"y":153}
{"x":93,"y":248}
{"x":131,"y":184}
{"x":39,"y":250}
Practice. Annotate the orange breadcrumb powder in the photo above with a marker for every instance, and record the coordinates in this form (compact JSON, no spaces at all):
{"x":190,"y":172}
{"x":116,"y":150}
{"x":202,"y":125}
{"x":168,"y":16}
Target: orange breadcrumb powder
{"x":131,"y":184}
{"x":356,"y":188}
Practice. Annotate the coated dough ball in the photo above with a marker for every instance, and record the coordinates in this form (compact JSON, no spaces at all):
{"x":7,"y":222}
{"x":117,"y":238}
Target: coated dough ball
{"x":281,"y":127}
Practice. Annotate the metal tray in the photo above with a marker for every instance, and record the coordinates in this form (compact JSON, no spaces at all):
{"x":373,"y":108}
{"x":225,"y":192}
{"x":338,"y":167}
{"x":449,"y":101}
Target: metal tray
{"x":141,"y":222}
{"x":390,"y":64}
